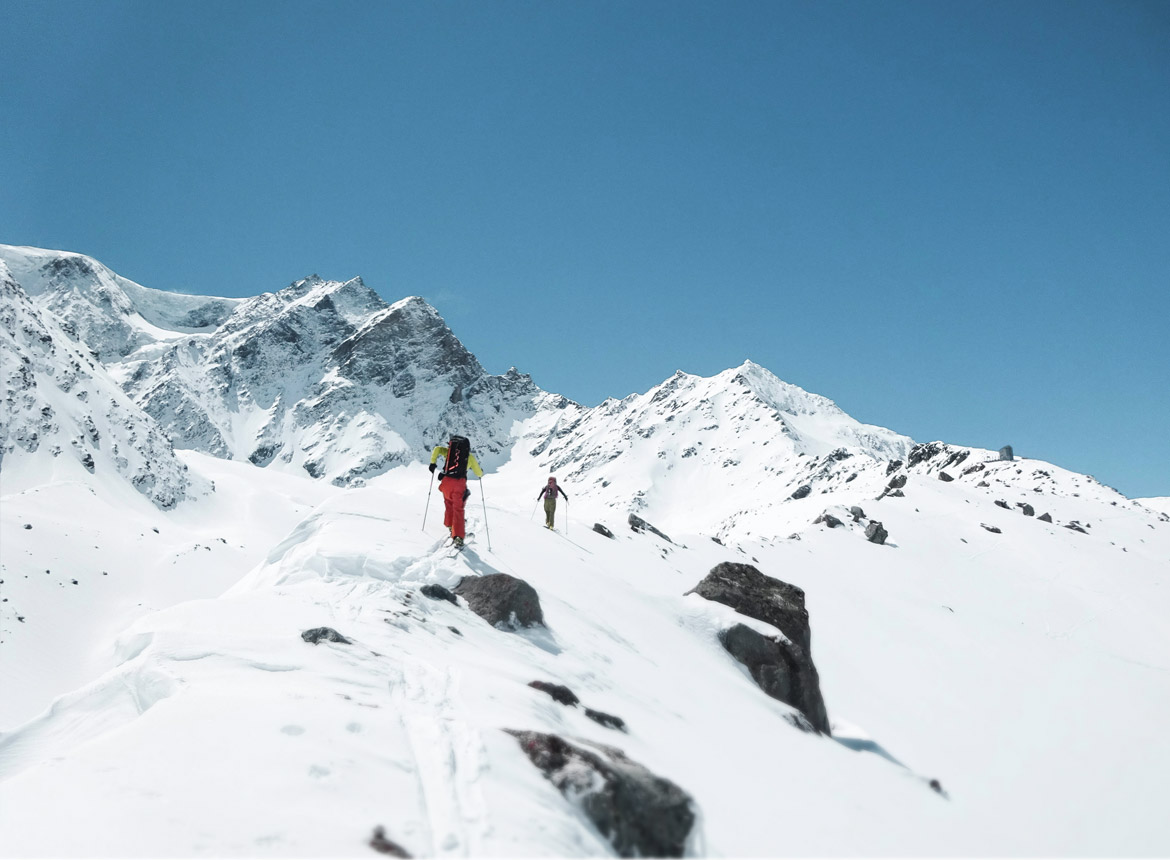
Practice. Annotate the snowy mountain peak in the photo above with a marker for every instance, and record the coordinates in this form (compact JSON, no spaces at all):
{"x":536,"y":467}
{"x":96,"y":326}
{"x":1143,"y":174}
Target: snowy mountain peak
{"x":63,"y":417}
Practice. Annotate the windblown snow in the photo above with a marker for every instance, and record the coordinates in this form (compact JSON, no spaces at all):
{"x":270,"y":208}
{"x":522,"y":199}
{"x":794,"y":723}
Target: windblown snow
{"x":995,"y":673}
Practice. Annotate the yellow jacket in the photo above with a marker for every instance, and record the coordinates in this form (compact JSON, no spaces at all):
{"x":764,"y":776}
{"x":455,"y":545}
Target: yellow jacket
{"x":472,"y":463}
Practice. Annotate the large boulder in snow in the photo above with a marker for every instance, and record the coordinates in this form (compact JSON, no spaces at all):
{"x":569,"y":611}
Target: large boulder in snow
{"x":779,"y":672}
{"x":875,"y":532}
{"x":749,"y":592}
{"x":501,"y":600}
{"x":640,"y":813}
{"x":782,"y":666}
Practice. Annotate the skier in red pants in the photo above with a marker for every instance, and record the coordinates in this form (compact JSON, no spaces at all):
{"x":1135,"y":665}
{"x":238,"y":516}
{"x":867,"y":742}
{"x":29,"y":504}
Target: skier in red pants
{"x":453,"y":482}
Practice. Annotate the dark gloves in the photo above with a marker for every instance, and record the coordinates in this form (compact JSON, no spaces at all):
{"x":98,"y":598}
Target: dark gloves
{"x":432,"y":468}
{"x":466,"y":495}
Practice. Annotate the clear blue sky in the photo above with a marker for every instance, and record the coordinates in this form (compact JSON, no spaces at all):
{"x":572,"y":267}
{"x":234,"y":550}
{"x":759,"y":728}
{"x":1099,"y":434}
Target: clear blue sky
{"x":951,"y":218}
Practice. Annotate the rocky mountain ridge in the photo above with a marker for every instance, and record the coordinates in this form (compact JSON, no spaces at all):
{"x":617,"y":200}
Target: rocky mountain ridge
{"x":58,"y":401}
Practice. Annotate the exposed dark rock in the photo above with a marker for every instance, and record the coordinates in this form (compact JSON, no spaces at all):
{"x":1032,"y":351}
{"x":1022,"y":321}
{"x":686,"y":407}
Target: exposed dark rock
{"x":607,"y":720}
{"x":501,"y":600}
{"x":559,"y":692}
{"x":943,"y":476}
{"x":978,"y":467}
{"x":639,"y":813}
{"x":749,"y":592}
{"x":983,"y":484}
{"x":1026,"y":509}
{"x":437,"y":592}
{"x":640,"y":525}
{"x":327,"y":633}
{"x":1076,"y":527}
{"x":857,"y":513}
{"x":875,"y":532}
{"x":828,"y":519}
{"x":993,"y":529}
{"x":1045,"y":518}
{"x":955,"y":459}
{"x":897,"y":494}
{"x":922,"y":453}
{"x":1005,"y":453}
{"x":1002,"y":503}
{"x":28,"y":525}
{"x":894,"y":466}
{"x":779,"y":671}
{"x":455,"y":630}
{"x":264,"y":454}
{"x":897,"y":482}
{"x":801,"y":491}
{"x":382,"y":845}
{"x":602,"y":530}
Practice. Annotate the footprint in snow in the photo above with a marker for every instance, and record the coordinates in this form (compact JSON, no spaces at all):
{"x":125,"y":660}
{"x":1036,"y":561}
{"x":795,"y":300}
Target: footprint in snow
{"x":293,"y":730}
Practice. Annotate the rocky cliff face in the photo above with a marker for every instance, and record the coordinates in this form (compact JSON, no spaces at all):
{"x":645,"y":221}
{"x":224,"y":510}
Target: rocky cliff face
{"x":327,"y":378}
{"x":322,"y":377}
{"x":57,"y":400}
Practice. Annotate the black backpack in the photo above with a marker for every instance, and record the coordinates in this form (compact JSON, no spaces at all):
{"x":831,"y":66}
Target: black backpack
{"x":458,"y":450}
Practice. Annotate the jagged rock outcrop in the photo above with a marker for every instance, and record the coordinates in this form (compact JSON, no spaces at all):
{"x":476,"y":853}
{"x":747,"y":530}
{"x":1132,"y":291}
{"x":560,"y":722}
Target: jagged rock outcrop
{"x":639,"y":813}
{"x":640,"y":525}
{"x":501,"y":600}
{"x":56,"y":401}
{"x":749,"y":592}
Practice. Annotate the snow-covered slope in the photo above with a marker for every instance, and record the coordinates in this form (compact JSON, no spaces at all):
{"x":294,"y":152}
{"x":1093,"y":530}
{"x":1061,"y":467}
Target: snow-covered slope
{"x":714,"y":455}
{"x":1160,"y":504}
{"x":64,"y":417}
{"x":1025,"y":670}
{"x":1008,"y":640}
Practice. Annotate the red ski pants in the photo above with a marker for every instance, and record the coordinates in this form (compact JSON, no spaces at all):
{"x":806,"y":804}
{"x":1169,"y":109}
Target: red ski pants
{"x":453,"y":490}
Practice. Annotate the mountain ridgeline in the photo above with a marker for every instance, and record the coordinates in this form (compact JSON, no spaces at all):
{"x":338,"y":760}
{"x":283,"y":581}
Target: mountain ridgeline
{"x":325,"y":378}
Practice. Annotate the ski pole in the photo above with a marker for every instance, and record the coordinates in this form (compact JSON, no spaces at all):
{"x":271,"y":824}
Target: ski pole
{"x":533,"y":514}
{"x":430,"y":489}
{"x":483,"y":499}
{"x":566,"y":517}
